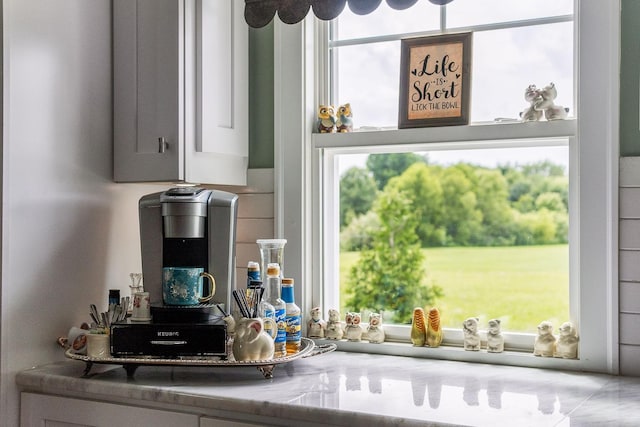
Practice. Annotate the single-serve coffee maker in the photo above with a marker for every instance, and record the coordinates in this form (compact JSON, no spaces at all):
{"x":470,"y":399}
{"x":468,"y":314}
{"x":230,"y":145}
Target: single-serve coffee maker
{"x":184,"y":231}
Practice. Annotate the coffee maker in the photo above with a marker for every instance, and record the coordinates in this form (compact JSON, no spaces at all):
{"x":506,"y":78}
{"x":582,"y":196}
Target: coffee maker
{"x":185,"y":226}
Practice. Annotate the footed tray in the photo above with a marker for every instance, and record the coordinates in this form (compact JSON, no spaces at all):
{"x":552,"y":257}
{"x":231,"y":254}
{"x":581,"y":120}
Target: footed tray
{"x":307,"y":349}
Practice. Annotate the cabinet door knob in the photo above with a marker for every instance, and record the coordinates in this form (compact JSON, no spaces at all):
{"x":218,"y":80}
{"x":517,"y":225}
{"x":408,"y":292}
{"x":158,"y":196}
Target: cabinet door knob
{"x":162,"y":145}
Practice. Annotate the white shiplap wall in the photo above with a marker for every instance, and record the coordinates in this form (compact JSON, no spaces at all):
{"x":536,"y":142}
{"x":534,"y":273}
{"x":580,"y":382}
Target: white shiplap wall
{"x":629,"y":266}
{"x":255,"y":218}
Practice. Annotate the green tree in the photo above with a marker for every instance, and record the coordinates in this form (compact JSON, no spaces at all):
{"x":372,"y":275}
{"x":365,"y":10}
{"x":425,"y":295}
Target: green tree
{"x":497,"y":215}
{"x":385,"y":166}
{"x":422,"y":187}
{"x":390,"y":275}
{"x":357,"y":193}
{"x":462,"y":218}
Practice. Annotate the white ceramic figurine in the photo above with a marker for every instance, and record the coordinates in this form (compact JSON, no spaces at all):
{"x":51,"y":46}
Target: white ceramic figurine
{"x":551,"y":111}
{"x":375,"y":333}
{"x":316,"y":325}
{"x":532,"y":96}
{"x":352,"y":329}
{"x":567,"y":343}
{"x":545,"y":341}
{"x":334,"y":328}
{"x":471,"y":335}
{"x":495,"y":340}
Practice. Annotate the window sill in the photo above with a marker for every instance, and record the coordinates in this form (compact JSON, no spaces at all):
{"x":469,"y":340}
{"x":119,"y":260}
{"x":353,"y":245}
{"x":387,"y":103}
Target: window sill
{"x":510,"y":358}
{"x":477,"y":132}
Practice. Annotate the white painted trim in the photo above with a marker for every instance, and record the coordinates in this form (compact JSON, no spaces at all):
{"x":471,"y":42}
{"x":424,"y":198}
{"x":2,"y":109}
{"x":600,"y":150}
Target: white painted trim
{"x":298,"y":204}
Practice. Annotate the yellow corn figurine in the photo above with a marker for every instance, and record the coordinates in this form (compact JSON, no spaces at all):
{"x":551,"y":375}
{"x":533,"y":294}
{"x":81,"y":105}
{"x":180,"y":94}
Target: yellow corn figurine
{"x":418,"y":327}
{"x":434,"y":331}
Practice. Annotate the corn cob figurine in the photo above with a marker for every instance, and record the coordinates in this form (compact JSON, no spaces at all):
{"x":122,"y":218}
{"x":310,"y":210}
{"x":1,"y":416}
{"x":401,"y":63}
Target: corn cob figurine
{"x":418,"y":327}
{"x":434,"y":331}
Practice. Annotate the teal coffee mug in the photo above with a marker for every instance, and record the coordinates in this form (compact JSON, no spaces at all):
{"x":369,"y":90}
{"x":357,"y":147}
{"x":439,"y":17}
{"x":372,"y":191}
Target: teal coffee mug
{"x":183,"y":285}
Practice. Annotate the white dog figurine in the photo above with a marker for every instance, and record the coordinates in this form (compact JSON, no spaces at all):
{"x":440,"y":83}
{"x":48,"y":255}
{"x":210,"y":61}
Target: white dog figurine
{"x":334,"y":328}
{"x":545,"y":343}
{"x":471,"y":335}
{"x":495,"y":341}
{"x":567,"y":343}
{"x":316,"y":325}
{"x":375,"y":333}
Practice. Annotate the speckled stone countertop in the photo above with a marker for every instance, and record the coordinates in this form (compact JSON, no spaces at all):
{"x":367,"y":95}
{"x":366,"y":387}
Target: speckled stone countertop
{"x":354,"y":389}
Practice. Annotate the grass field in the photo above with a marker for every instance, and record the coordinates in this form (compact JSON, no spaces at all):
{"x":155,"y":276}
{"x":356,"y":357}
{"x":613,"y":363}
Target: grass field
{"x":520,"y":285}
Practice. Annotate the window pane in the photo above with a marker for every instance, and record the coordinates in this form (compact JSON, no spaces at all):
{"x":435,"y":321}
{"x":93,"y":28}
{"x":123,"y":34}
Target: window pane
{"x":368,"y":79}
{"x":506,"y":62}
{"x":422,"y":16}
{"x":477,"y":233}
{"x":473,"y":12}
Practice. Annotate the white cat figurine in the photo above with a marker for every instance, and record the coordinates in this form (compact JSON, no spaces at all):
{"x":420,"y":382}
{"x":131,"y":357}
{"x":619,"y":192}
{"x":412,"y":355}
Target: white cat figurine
{"x":353,"y":330}
{"x":471,"y":335}
{"x":375,"y":333}
{"x":495,"y":341}
{"x":334,"y":328}
{"x":316,"y":325}
{"x":545,"y":341}
{"x":567,"y":343}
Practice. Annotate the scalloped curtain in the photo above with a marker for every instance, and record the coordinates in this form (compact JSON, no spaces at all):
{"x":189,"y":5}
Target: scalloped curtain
{"x":259,"y":13}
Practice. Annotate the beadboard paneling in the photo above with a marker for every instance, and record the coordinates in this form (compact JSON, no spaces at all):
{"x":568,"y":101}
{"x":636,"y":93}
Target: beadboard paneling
{"x":629,"y":234}
{"x":629,"y":265}
{"x":629,"y":357}
{"x":630,"y":297}
{"x":629,"y":328}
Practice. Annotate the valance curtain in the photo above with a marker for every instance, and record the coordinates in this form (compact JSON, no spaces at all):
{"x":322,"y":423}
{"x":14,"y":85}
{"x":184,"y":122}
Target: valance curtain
{"x":259,"y":13}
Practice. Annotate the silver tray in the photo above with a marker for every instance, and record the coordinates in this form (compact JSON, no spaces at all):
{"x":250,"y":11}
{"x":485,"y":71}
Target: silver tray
{"x":307,"y":349}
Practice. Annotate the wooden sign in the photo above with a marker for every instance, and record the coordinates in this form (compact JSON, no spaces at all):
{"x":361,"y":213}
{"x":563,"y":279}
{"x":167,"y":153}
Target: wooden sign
{"x":435,"y":80}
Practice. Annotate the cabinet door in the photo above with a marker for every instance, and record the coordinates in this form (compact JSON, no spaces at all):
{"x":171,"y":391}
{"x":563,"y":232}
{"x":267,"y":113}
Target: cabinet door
{"x":148,"y":43}
{"x":41,"y":410}
{"x":218,"y":153}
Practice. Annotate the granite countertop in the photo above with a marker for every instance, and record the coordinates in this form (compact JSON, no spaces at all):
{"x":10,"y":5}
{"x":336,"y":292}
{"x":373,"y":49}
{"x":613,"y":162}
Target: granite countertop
{"x":353,"y":389}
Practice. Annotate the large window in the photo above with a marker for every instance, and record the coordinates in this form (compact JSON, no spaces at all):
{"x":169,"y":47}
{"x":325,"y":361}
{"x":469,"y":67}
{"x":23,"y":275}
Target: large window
{"x":490,"y":225}
{"x":511,"y":211}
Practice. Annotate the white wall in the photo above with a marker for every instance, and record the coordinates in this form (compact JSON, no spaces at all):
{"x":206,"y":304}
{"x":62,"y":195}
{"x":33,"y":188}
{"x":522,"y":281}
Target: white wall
{"x":69,"y":233}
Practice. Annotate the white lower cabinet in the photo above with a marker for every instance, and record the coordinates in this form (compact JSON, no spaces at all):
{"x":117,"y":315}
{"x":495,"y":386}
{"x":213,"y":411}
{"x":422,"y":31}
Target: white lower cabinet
{"x":53,"y":411}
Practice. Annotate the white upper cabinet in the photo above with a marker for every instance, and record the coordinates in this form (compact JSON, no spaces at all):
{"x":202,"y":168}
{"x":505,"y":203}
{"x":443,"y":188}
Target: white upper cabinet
{"x":180,"y":91}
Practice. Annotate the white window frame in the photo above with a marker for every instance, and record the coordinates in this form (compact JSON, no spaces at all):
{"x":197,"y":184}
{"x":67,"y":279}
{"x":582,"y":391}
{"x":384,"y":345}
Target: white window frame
{"x":298,"y":163}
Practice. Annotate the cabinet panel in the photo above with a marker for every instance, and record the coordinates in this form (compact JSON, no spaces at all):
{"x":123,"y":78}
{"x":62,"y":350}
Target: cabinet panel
{"x":147,"y":43}
{"x":180,"y":74}
{"x":40,"y":410}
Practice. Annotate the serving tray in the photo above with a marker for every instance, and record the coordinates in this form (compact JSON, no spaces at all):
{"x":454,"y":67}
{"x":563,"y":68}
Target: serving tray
{"x":307,"y":349}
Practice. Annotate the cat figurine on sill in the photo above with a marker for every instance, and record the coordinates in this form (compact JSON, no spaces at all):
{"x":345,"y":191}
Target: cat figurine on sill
{"x":495,"y":341}
{"x":334,"y":328}
{"x":567,"y":342}
{"x":326,"y":119}
{"x":344,"y":122}
{"x":316,"y":325}
{"x":353,"y":330}
{"x":471,"y":335}
{"x":551,"y":111}
{"x":375,"y":333}
{"x":545,"y":343}
{"x":532,"y":96}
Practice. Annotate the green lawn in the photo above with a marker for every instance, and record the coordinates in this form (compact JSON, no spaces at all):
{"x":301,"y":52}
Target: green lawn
{"x":520,"y":285}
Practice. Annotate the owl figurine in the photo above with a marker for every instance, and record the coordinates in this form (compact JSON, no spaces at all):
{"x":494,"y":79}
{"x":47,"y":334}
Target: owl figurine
{"x":418,"y":327}
{"x":352,"y":329}
{"x":344,"y":122}
{"x":326,"y":119}
{"x":434,"y":331}
{"x":375,"y":332}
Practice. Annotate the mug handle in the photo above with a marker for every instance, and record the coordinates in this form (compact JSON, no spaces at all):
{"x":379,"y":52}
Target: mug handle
{"x":274,"y":326}
{"x":213,"y":288}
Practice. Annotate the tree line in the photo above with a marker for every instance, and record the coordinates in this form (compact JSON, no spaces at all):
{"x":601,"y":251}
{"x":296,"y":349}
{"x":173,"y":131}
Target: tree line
{"x":458,"y":205}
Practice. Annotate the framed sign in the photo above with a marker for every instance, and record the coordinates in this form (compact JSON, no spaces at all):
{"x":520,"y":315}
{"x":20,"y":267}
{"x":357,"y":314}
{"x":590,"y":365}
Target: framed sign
{"x":435,"y":80}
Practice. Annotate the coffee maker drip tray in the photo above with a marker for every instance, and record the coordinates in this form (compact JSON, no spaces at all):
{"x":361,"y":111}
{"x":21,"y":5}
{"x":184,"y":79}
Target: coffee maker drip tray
{"x":200,"y":313}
